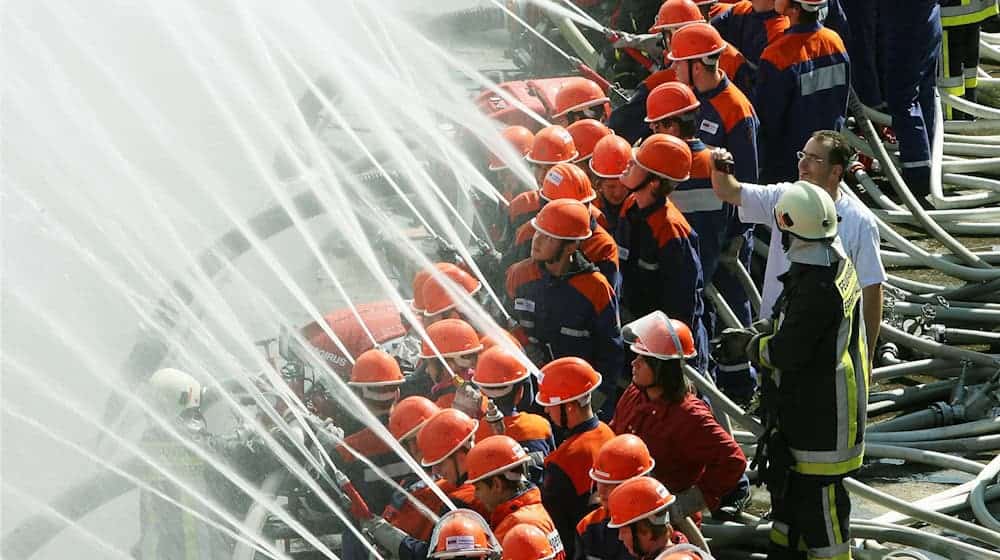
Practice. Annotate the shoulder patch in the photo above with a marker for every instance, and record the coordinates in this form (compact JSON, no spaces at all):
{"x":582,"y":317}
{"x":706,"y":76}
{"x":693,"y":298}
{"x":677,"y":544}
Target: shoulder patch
{"x":593,"y":286}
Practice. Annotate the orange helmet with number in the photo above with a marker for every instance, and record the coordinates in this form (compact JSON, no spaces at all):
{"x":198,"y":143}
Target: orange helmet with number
{"x":566,"y":180}
{"x":566,"y":380}
{"x":495,"y":455}
{"x":527,"y":542}
{"x":669,"y":100}
{"x":586,"y":133}
{"x":552,"y":145}
{"x":665,"y":156}
{"x":519,"y":138}
{"x":578,"y":94}
{"x":463,"y":533}
{"x":409,"y":415}
{"x":565,"y":218}
{"x":639,"y":498}
{"x":623,"y":457}
{"x":443,"y":434}
{"x":611,"y":157}
{"x":660,"y":337}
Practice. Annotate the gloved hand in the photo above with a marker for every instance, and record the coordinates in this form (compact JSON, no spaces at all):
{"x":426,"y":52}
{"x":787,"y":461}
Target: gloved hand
{"x":687,"y":503}
{"x":468,"y":399}
{"x":763,"y":326}
{"x":494,"y":417}
{"x":730,"y":347}
{"x":641,"y":42}
{"x":384,"y":534}
{"x":538,"y":354}
{"x":328,"y":434}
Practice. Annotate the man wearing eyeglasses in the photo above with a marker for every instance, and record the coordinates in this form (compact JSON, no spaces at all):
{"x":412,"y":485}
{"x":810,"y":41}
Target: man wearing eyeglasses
{"x":823,"y":162}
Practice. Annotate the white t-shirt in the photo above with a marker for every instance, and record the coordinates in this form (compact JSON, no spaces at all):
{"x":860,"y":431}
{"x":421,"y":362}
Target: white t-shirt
{"x":857,"y":230}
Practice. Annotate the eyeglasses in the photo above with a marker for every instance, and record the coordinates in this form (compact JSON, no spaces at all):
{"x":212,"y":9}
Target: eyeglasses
{"x":804,"y":156}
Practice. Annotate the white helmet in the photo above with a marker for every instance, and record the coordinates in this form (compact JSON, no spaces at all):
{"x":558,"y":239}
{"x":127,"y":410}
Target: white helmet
{"x":812,"y":5}
{"x":807,"y":212}
{"x":173,"y":389}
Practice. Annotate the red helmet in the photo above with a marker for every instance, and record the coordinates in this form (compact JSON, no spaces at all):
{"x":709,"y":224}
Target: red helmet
{"x":494,"y":455}
{"x":666,"y":156}
{"x":670,"y":99}
{"x":552,"y":145}
{"x":520,"y":139}
{"x":463,"y":533}
{"x":566,"y":380}
{"x":578,"y":94}
{"x":674,"y":14}
{"x":564,"y":219}
{"x":409,"y":415}
{"x":375,"y":368}
{"x":444,"y":434}
{"x":567,"y":180}
{"x":452,"y":338}
{"x":660,"y":337}
{"x":639,"y":498}
{"x":623,"y":457}
{"x":611,"y":157}
{"x":586,"y":133}
{"x":498,"y":368}
{"x":527,"y":542}
{"x":694,"y":41}
{"x":434,"y":295}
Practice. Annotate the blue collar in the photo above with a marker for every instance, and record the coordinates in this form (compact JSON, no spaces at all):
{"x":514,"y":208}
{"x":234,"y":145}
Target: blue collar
{"x":585,"y":426}
{"x":696,"y":145}
{"x":723,"y":84}
{"x":804,"y":28}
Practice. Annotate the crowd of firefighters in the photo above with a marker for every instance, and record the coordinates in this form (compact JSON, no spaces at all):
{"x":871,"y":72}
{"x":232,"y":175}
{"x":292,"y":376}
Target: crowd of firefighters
{"x":605,"y":451}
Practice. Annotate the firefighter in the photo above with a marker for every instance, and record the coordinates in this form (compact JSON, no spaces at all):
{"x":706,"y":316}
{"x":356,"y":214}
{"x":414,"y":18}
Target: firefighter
{"x":640,"y":510}
{"x":449,"y":358}
{"x":913,"y":46}
{"x":586,"y":133}
{"x":568,"y":181}
{"x":527,"y":542}
{"x":520,"y":140}
{"x":497,"y":471}
{"x":407,"y":417}
{"x":661,"y":268}
{"x":578,"y":99}
{"x":959,"y":71}
{"x":750,"y":26}
{"x":461,"y":533}
{"x":815,"y":400}
{"x":444,"y":442}
{"x":552,"y":145}
{"x":503,"y":376}
{"x":623,"y":457}
{"x":802,"y":86}
{"x":566,"y":391}
{"x":611,"y":156}
{"x":660,"y":407}
{"x":438,"y":303}
{"x":563,"y":304}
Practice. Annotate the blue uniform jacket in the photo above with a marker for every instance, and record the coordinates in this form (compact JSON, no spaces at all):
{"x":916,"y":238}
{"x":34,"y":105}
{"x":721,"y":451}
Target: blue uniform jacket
{"x":749,"y":31}
{"x":727,"y":119}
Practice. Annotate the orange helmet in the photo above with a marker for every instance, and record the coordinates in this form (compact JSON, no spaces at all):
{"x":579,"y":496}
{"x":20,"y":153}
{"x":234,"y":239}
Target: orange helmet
{"x":489,"y":341}
{"x":434,"y":295}
{"x":445,"y":433}
{"x":375,"y":368}
{"x":586,"y":133}
{"x":695,"y":41}
{"x":676,"y":13}
{"x":417,"y":305}
{"x":638,"y":498}
{"x":520,"y":139}
{"x":623,"y":457}
{"x":564,"y":219}
{"x":552,"y":145}
{"x":666,"y":156}
{"x":660,"y":337}
{"x":452,"y":338}
{"x":527,"y":542}
{"x":578,"y":94}
{"x":498,"y":368}
{"x":611,"y":156}
{"x":565,"y":380}
{"x":670,"y":99}
{"x":494,"y":455}
{"x":409,"y":415}
{"x":567,"y":180}
{"x":683,"y":551}
{"x":463,"y":533}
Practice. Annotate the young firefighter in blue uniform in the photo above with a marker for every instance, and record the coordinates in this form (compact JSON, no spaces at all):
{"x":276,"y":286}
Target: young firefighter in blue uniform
{"x":658,"y":249}
{"x":802,"y":86}
{"x":564,"y":305}
{"x":750,"y":26}
{"x":815,"y":400}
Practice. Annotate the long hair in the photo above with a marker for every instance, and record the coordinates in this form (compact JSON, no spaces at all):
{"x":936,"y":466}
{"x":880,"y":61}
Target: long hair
{"x":668,"y":375}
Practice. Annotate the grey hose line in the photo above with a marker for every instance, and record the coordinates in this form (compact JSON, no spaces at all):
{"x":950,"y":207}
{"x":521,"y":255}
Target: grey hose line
{"x":976,"y":500}
{"x":988,"y":316}
{"x":937,"y":349}
{"x":989,"y":291}
{"x":974,"y":428}
{"x":970,"y":107}
{"x":968,"y":336}
{"x":971,"y":181}
{"x":892,"y":258}
{"x":923,"y":456}
{"x":719,"y":399}
{"x":919,"y":420}
{"x":971,"y":445}
{"x":722,"y":308}
{"x":912,"y":286}
{"x":909,"y":368}
{"x":896,"y":180}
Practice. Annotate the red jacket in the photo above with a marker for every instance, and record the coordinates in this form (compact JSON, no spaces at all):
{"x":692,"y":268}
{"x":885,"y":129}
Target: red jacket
{"x":526,"y":507}
{"x":405,"y":516}
{"x":689,"y":446}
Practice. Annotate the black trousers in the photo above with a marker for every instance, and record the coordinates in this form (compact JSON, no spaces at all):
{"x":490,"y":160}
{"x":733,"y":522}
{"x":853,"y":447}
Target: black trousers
{"x":810,"y":519}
